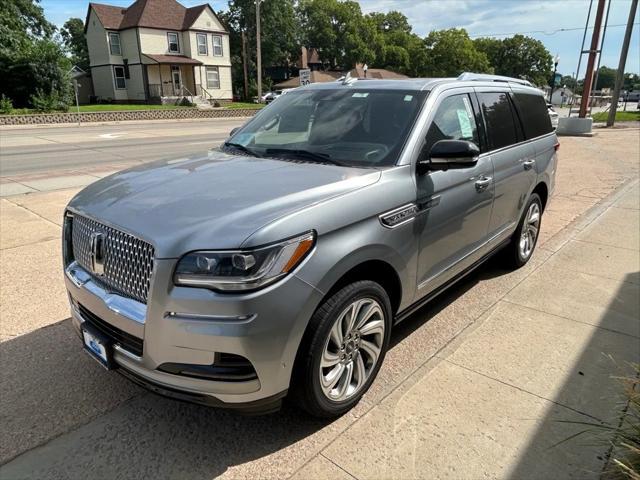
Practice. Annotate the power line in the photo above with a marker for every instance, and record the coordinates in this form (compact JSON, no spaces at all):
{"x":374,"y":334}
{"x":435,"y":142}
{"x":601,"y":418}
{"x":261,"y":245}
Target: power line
{"x":552,"y":32}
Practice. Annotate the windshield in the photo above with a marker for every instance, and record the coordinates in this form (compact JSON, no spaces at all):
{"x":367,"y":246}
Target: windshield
{"x":345,"y":126}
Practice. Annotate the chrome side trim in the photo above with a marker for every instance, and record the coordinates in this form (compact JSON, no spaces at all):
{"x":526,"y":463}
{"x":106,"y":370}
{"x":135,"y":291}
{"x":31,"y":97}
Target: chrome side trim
{"x":212,"y":318}
{"x":497,"y":237}
{"x":398,"y":216}
{"x":125,"y":307}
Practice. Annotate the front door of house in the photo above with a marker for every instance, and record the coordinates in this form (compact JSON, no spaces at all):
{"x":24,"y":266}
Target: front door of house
{"x":176,"y":78}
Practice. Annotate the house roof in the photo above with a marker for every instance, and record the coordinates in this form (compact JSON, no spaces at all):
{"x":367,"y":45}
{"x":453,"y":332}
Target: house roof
{"x":317,"y":76}
{"x":379,"y":73}
{"x":173,"y":59}
{"x":165,"y":14}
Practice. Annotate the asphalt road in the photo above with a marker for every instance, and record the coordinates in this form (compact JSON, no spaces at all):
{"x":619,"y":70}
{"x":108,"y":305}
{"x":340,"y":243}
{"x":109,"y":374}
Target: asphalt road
{"x":47,"y":150}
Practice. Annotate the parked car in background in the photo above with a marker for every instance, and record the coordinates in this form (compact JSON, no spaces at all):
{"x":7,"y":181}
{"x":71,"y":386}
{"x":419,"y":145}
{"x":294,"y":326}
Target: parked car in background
{"x":553,"y":115}
{"x":279,"y":264}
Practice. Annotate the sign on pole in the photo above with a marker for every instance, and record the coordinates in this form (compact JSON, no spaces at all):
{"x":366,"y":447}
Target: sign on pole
{"x":305,"y":77}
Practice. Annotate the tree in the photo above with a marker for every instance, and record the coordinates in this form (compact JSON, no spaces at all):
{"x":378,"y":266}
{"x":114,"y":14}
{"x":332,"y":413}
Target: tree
{"x":606,"y":78}
{"x":402,"y":51}
{"x":524,"y":57}
{"x":340,"y":32}
{"x":451,"y":52}
{"x":568,"y":81}
{"x":21,"y":23}
{"x":75,"y":42}
{"x":32,"y":61}
{"x":279,"y":25}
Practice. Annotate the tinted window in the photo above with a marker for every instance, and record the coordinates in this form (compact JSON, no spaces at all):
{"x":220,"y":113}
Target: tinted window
{"x":499,"y":119}
{"x":534,"y":114}
{"x":454,"y":120}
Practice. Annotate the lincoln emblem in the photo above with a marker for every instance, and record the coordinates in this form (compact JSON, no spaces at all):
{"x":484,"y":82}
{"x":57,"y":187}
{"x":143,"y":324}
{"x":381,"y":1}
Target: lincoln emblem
{"x":97,"y":253}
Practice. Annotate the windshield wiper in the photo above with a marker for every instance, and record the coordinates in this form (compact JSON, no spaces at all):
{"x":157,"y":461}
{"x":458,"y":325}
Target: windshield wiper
{"x":306,"y":154}
{"x":242,"y":148}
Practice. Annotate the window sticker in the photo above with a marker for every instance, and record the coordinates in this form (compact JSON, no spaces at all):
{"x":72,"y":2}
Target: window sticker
{"x":465,"y":124}
{"x":360,"y":95}
{"x":408,"y":98}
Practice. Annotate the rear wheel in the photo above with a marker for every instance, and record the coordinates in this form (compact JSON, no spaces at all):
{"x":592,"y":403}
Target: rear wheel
{"x":343,"y":349}
{"x":525,"y":238}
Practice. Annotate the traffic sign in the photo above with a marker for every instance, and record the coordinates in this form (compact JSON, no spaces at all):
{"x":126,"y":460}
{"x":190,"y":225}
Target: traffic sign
{"x":305,"y":77}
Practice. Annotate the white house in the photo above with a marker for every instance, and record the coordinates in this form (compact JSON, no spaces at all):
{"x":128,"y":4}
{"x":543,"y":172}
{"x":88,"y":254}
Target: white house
{"x":157,"y":49}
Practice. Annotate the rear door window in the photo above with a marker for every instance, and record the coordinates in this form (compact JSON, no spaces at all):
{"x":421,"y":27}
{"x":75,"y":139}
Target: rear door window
{"x":499,"y":118}
{"x":454,"y":120}
{"x":534,"y":114}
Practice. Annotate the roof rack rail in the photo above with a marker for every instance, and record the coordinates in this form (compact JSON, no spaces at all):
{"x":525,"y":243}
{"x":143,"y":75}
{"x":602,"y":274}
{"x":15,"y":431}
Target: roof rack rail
{"x":483,"y":77}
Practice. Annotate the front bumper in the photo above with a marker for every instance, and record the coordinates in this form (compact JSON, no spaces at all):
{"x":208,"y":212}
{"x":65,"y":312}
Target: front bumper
{"x":194,"y":326}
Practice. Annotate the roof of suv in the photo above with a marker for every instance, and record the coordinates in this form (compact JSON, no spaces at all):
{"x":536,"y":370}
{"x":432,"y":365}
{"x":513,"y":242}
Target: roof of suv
{"x":425,"y":83}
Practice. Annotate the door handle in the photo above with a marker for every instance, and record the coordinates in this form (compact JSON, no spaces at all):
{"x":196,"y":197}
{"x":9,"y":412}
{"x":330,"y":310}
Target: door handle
{"x":528,"y":164}
{"x":482,"y":183}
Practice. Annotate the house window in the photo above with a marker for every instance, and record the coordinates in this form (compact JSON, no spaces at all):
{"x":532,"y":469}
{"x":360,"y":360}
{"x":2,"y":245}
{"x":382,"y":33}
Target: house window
{"x":217,"y":45}
{"x":174,"y":44}
{"x":202,"y":43}
{"x":114,"y":44}
{"x":118,"y":76}
{"x":213,"y":77}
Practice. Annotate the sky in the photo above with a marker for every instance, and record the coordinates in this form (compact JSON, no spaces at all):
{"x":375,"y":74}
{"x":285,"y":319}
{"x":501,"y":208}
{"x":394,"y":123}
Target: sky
{"x":541,"y":19}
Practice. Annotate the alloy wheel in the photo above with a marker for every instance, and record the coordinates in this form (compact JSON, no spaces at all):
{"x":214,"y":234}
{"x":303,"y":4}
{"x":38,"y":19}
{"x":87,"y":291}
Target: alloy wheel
{"x":352,"y":349}
{"x":530,"y":230}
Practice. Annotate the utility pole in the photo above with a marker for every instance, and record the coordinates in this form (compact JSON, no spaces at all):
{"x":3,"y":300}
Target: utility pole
{"x":604,"y":34}
{"x":258,"y":50}
{"x":588,"y":79}
{"x":244,"y":65}
{"x":623,"y":60}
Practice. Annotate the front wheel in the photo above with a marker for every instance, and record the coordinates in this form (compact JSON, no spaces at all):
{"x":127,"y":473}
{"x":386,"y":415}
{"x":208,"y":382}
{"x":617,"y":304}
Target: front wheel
{"x":343,"y":349}
{"x":525,"y":238}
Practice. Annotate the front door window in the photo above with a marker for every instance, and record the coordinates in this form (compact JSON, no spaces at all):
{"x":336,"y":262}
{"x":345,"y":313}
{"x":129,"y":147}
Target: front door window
{"x":176,"y":77}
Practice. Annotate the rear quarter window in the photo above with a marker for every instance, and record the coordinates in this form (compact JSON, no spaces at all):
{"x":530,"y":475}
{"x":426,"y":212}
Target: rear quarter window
{"x":534,"y":114}
{"x":500,"y":120}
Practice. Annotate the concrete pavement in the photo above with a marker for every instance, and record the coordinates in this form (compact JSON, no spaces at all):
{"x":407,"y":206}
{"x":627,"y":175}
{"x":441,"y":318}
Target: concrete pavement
{"x":476,"y":384}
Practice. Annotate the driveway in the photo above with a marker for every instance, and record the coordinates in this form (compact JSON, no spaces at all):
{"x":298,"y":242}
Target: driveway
{"x":479,"y":383}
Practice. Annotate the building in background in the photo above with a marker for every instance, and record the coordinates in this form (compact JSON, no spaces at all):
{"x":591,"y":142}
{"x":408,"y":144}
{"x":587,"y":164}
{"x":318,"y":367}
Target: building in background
{"x":158,"y":51}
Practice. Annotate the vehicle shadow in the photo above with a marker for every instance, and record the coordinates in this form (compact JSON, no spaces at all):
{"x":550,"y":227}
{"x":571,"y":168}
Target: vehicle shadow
{"x":108,"y":427}
{"x":568,"y":442}
{"x":50,"y":387}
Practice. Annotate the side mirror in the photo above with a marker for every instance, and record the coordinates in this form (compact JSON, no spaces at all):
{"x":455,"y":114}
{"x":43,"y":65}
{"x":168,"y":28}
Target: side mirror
{"x":446,"y":154}
{"x":233,"y":131}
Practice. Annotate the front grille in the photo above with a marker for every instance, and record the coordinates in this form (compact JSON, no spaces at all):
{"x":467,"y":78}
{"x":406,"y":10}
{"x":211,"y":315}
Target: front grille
{"x":128,"y":261}
{"x":129,"y":342}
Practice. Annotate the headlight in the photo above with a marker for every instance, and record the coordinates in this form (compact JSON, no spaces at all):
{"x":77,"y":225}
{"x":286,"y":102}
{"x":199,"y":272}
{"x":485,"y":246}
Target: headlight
{"x":242,"y":270}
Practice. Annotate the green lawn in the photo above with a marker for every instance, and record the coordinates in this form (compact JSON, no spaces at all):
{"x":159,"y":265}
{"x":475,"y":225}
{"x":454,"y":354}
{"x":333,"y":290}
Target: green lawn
{"x":103,"y":108}
{"x":248,"y":106}
{"x":621,"y":116}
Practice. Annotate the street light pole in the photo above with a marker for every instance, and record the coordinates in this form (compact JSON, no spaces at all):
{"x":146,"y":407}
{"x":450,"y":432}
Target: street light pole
{"x":553,"y":78}
{"x":258,"y":50}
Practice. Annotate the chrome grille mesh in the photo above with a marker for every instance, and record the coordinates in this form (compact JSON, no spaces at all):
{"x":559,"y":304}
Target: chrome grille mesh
{"x":128,"y":261}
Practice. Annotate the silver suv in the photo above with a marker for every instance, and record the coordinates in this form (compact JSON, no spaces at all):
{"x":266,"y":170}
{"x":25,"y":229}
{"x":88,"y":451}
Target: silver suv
{"x":279,"y":262}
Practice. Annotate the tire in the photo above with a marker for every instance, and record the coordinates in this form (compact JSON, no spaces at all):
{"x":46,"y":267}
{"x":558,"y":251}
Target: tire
{"x":319,"y":345}
{"x":519,"y":250}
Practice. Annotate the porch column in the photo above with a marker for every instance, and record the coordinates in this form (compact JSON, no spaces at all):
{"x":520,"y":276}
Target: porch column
{"x":161,"y":83}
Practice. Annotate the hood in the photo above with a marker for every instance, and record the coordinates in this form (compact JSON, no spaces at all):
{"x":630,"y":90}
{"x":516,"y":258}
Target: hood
{"x":214,"y":201}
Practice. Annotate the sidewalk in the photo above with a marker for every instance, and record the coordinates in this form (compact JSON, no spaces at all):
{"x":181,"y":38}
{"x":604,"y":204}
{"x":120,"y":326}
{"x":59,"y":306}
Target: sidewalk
{"x":494,"y":402}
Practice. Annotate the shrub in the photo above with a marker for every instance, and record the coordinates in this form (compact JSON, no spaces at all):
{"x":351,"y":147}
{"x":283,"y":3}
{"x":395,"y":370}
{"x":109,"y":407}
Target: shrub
{"x":48,"y":102}
{"x":6,"y":105}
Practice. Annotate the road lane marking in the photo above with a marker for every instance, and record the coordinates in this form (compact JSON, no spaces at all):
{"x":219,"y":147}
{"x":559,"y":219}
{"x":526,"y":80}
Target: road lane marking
{"x":112,"y":136}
